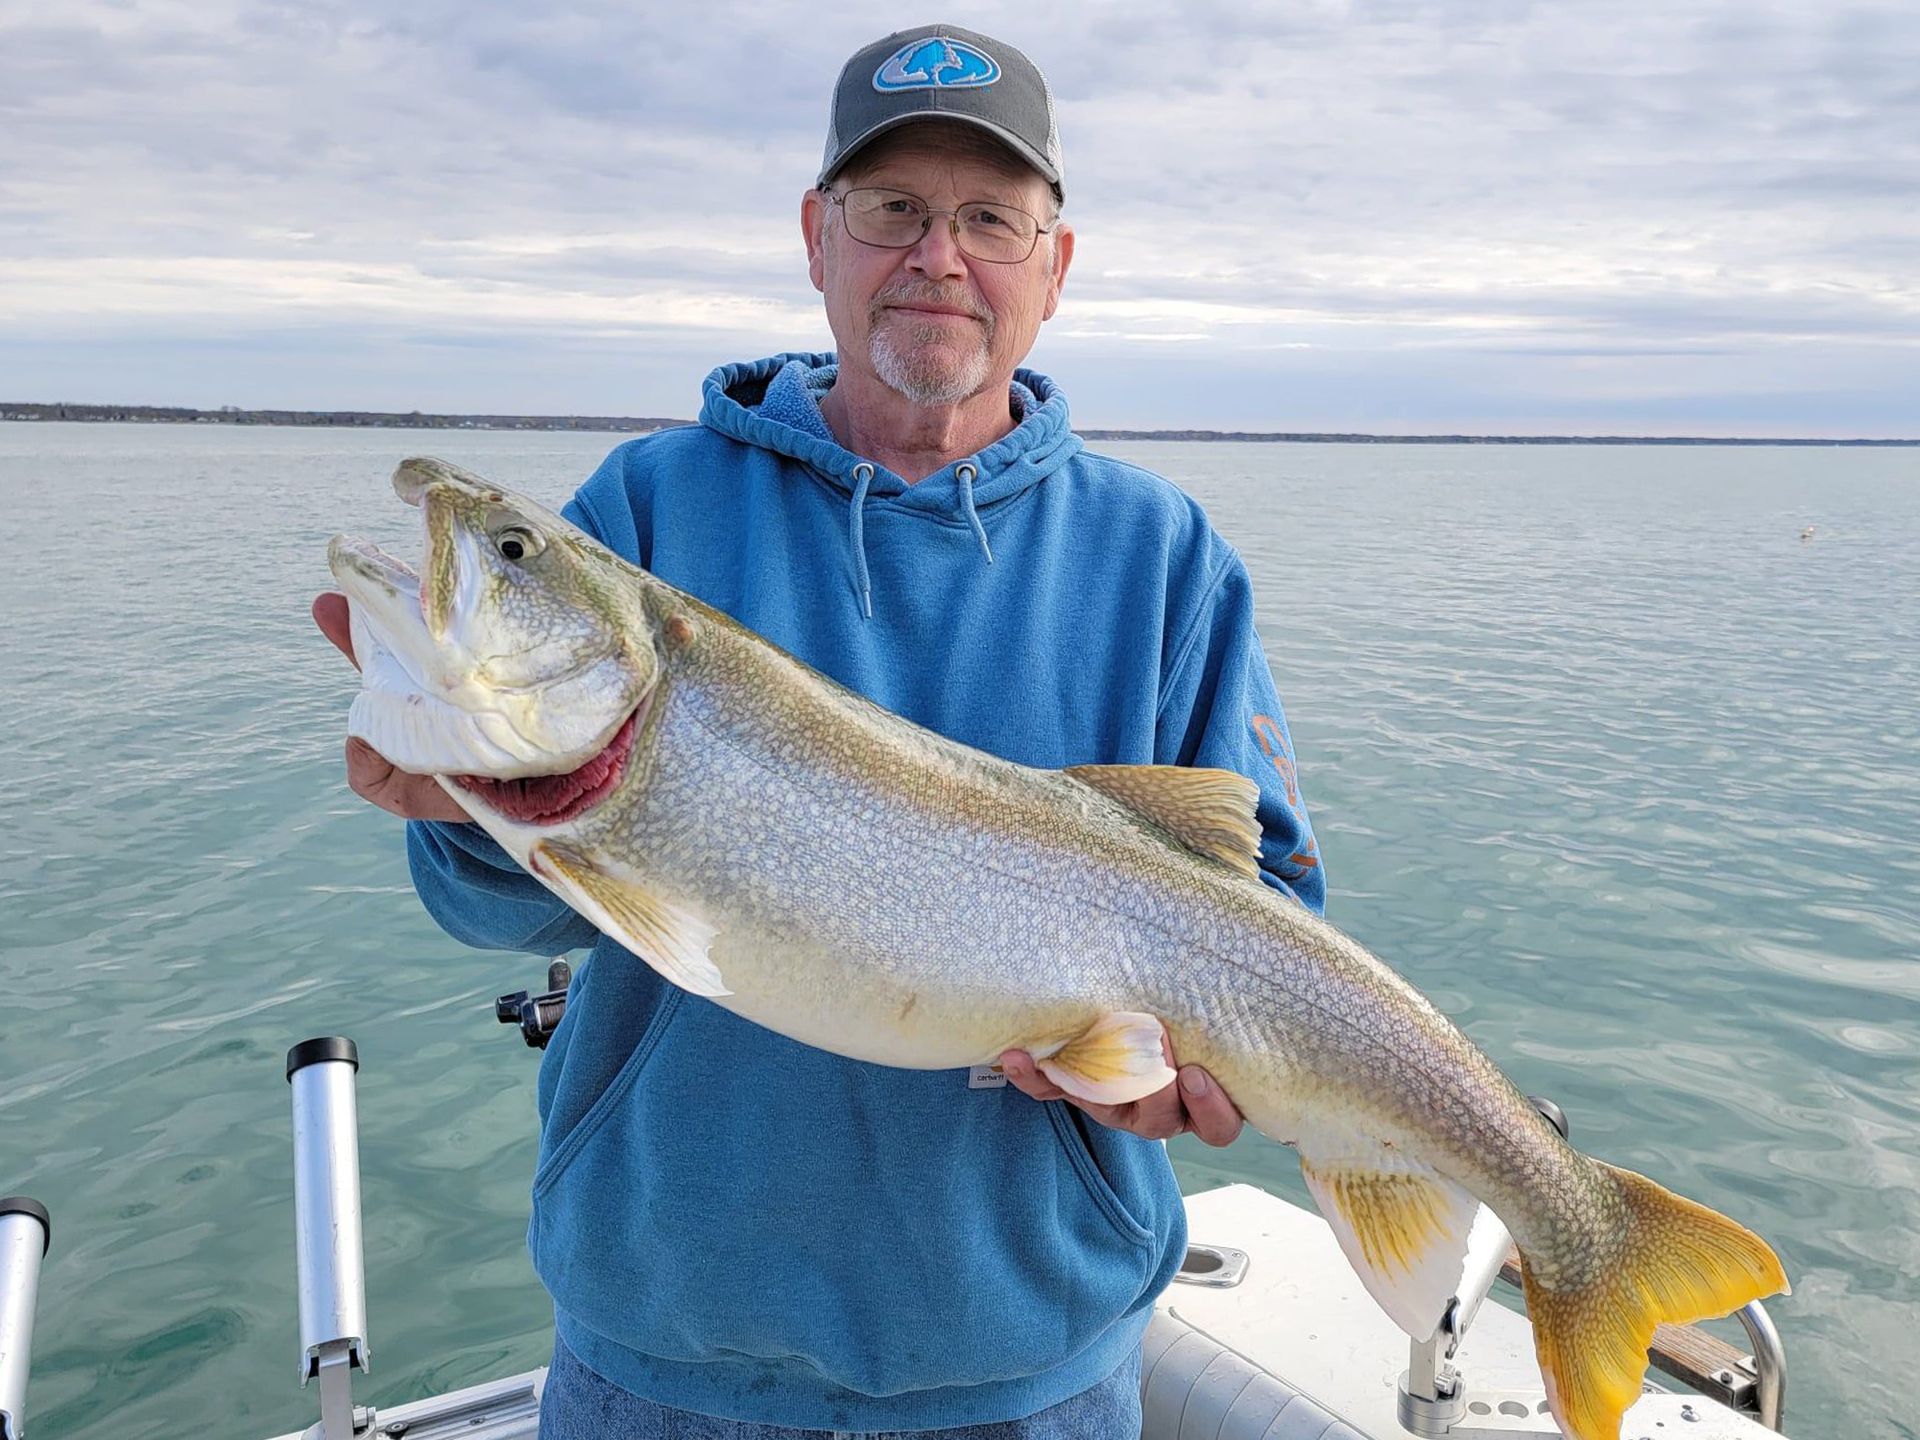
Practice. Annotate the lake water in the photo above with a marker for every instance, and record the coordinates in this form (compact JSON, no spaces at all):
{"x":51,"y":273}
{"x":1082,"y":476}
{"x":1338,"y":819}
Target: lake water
{"x":1603,"y":756}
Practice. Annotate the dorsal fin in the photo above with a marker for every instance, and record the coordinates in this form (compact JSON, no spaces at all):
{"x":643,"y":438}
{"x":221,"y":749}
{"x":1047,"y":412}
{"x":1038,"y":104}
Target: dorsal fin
{"x":1210,"y":811}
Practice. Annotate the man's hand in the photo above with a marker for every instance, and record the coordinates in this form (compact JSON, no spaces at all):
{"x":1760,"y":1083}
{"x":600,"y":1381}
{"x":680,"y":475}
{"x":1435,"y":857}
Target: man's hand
{"x":1195,"y":1102}
{"x":370,"y":774}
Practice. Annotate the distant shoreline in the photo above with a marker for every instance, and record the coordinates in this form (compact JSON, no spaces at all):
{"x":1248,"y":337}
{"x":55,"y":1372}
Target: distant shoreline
{"x":636,"y":424}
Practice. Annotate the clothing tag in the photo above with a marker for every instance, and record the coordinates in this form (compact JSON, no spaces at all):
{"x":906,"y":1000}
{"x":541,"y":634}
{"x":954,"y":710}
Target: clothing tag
{"x":985,"y":1077}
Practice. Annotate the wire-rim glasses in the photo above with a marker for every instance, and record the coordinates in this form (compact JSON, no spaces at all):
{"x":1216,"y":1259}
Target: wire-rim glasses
{"x":898,"y":220}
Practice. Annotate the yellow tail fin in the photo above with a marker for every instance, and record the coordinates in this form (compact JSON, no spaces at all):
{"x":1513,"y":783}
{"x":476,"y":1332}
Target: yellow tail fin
{"x":1680,"y":1262}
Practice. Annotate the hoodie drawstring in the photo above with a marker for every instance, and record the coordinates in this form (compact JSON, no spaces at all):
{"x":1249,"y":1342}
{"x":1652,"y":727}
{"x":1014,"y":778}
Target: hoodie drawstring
{"x":857,"y":535}
{"x":965,"y":475}
{"x":857,"y":526}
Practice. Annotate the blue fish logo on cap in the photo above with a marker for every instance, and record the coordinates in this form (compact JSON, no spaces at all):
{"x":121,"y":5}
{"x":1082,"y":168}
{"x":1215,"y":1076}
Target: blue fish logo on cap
{"x":936,"y":64}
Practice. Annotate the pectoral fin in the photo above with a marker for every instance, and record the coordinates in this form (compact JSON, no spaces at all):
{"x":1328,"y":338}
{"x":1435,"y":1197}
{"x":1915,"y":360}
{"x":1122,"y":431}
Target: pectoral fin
{"x":1117,"y":1060}
{"x":1209,"y":811}
{"x":1401,"y":1224}
{"x":671,"y":939}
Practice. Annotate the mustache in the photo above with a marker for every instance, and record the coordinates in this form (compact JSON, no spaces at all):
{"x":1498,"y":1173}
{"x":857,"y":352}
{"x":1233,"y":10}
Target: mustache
{"x":929,"y":293}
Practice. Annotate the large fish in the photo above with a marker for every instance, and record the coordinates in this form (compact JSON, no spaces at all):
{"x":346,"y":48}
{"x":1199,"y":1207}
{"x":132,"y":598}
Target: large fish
{"x":767,"y":838}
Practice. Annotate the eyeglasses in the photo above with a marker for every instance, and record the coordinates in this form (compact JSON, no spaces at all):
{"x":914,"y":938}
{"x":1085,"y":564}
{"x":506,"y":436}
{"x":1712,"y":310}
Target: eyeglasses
{"x":896,"y":220}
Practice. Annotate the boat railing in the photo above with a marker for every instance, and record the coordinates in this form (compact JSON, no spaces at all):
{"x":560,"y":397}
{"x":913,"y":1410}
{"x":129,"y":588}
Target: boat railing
{"x":1766,"y":1366}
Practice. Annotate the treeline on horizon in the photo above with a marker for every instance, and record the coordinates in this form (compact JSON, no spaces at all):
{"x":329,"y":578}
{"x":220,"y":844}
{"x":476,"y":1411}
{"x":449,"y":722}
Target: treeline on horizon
{"x":637,"y":424}
{"x":364,"y":419}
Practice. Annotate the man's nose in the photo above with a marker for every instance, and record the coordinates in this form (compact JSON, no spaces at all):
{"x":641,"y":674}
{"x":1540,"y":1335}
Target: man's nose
{"x":938,"y":254}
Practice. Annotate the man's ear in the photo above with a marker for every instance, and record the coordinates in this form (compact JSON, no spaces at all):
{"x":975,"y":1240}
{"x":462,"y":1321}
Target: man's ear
{"x":1062,"y":258}
{"x":813,"y":217}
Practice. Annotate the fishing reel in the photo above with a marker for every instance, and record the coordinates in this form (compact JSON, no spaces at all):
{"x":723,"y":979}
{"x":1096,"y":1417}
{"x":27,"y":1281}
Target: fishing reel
{"x":538,"y":1016}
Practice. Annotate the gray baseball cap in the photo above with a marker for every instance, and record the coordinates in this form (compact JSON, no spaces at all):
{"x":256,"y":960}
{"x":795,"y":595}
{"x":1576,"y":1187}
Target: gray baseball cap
{"x":944,"y":72}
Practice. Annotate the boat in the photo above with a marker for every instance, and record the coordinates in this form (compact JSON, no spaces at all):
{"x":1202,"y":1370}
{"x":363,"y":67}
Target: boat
{"x":1265,"y":1334}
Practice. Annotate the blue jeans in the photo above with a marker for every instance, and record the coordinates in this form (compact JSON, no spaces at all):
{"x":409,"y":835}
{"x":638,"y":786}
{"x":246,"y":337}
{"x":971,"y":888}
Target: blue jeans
{"x":579,"y":1405}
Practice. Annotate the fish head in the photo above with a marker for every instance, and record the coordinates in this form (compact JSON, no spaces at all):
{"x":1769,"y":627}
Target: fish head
{"x":520,"y":648}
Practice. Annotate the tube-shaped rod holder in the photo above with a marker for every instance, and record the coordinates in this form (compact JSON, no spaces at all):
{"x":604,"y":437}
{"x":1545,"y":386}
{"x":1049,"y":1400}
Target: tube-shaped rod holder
{"x":25,"y":1235}
{"x":326,"y":1203}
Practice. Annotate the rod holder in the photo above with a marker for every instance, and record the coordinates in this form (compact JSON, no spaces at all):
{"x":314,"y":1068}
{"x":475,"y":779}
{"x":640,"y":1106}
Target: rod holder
{"x":327,"y":1233}
{"x":26,"y":1234}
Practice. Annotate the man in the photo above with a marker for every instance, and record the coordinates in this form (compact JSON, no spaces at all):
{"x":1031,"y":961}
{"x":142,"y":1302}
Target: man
{"x":747,"y":1237}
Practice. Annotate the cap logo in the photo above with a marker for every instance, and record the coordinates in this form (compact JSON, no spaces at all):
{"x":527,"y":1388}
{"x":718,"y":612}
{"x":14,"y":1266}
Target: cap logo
{"x":936,"y":64}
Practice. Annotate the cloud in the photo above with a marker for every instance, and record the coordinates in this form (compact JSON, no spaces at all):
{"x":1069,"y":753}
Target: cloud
{"x":1397,"y":184}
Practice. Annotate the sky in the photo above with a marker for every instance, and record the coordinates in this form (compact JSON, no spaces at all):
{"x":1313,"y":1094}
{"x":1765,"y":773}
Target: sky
{"x":1392,"y":216}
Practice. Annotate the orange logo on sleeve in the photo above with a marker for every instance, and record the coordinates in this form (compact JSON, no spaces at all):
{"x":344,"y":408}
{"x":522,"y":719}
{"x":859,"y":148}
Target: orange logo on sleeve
{"x":1273,"y":740}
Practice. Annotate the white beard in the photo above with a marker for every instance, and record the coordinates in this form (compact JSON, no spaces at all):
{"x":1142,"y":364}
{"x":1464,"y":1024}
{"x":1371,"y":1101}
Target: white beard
{"x":918,"y":367}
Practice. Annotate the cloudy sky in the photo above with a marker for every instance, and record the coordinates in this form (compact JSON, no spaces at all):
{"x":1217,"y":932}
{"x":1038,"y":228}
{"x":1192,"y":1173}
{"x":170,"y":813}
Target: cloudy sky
{"x":1585,"y":216}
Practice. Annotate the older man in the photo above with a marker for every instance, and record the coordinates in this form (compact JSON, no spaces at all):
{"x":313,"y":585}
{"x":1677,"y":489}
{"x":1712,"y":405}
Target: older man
{"x":745,"y":1237}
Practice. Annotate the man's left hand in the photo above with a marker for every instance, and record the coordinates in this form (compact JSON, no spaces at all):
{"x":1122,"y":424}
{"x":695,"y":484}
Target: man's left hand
{"x":1193,"y":1103}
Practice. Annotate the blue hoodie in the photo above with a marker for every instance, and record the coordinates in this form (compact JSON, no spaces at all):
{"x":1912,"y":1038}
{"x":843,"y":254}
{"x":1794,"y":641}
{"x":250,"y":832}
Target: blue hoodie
{"x":733,"y":1223}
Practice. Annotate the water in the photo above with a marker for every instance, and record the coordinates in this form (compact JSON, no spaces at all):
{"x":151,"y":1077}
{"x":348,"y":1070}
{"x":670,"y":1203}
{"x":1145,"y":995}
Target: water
{"x":1603,"y":756}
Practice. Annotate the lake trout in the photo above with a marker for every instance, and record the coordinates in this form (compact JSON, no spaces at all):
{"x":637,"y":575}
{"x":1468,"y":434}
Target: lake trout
{"x":768,"y":839}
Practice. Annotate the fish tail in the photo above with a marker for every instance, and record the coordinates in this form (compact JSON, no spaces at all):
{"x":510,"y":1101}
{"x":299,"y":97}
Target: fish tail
{"x":1676,"y":1262}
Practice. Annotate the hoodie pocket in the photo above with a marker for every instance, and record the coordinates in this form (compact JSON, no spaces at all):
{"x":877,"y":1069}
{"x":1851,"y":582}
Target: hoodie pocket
{"x":741,"y":1199}
{"x":1080,"y":1154}
{"x":560,"y":1147}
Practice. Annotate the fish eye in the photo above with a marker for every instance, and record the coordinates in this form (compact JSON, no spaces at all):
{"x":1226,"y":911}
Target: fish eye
{"x":518,"y":543}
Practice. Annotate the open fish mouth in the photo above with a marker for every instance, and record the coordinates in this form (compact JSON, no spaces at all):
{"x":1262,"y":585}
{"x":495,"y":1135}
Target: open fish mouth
{"x":556,"y":799}
{"x":430,"y":718}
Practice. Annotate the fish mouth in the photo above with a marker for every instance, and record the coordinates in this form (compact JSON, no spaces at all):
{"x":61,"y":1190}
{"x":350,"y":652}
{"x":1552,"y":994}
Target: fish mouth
{"x":432,"y":718}
{"x":544,"y":800}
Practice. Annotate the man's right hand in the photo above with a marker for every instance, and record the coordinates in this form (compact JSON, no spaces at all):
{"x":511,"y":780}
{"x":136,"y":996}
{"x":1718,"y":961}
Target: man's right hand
{"x":370,"y":774}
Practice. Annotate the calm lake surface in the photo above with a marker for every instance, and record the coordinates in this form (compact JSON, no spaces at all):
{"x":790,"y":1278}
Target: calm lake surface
{"x":1603,"y":756}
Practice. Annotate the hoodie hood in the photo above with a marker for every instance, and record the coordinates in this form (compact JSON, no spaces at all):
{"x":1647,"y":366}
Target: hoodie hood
{"x":1039,"y":445}
{"x":736,"y":404}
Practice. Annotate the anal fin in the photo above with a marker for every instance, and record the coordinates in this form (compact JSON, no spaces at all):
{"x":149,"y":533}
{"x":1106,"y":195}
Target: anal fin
{"x":1118,"y":1059}
{"x":672,"y":940}
{"x":1401,"y":1224}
